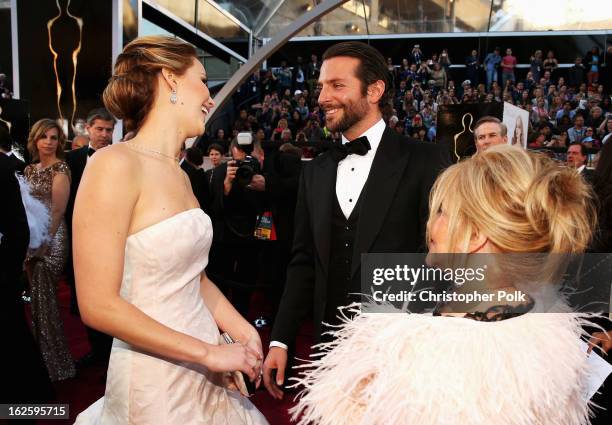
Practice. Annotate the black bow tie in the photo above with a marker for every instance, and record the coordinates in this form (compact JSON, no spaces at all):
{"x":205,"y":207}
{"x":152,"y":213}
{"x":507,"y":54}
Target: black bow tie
{"x":90,"y":151}
{"x":359,"y":146}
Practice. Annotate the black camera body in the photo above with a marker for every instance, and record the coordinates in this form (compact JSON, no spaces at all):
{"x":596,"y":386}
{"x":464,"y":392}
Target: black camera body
{"x":247,"y":168}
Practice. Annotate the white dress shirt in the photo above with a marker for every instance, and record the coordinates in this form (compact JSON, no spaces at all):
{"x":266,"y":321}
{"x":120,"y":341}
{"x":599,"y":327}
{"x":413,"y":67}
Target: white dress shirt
{"x":352,"y":174}
{"x":88,"y":156}
{"x":353,"y":170}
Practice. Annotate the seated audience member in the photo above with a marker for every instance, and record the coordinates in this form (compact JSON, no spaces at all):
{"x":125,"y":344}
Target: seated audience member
{"x":578,"y":131}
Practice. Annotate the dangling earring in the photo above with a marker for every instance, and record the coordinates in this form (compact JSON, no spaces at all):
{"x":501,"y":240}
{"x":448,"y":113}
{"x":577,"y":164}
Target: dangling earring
{"x":173,"y":97}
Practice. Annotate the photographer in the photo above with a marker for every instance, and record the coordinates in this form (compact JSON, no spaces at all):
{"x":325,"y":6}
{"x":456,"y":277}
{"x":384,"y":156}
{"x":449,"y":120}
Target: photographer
{"x":237,"y":195}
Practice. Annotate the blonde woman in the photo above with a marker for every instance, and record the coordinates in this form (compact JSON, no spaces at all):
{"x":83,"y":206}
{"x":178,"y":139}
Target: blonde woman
{"x":141,"y":244}
{"x":518,"y":137}
{"x":506,"y":366}
{"x":49,"y":180}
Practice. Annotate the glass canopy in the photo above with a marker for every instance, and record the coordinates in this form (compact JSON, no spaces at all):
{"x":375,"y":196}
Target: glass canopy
{"x":264,"y":18}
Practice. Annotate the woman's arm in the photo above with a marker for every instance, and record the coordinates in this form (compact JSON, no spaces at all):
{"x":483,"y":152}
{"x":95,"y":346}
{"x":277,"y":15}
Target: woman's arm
{"x":60,"y":191}
{"x":105,"y":203}
{"x":227,"y":317}
{"x":602,"y":127}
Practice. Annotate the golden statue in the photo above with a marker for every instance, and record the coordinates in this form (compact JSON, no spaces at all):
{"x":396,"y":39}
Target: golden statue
{"x":68,"y":21}
{"x":465,"y":138}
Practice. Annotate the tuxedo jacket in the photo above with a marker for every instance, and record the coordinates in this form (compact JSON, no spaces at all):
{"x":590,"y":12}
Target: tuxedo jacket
{"x":14,"y":229}
{"x":588,"y":175}
{"x":17,"y":164}
{"x":198,"y":182}
{"x":393,"y":213}
{"x":76,"y":160}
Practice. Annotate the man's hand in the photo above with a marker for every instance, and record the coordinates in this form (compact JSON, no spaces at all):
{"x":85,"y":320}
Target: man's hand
{"x":258,"y":183}
{"x":275,"y":360}
{"x":230,"y":175}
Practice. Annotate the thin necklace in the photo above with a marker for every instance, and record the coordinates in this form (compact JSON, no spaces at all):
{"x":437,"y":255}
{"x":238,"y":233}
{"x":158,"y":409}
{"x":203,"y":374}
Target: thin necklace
{"x":148,"y":150}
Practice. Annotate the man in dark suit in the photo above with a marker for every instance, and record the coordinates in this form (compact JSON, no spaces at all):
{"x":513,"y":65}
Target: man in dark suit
{"x":100,"y":126}
{"x":370,"y":194}
{"x":235,"y":204}
{"x":6,"y":146}
{"x":577,"y":157}
{"x":194,"y":158}
{"x":31,"y":384}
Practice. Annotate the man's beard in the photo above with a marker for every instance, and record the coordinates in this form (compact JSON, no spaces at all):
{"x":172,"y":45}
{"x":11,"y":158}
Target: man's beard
{"x":352,"y":113}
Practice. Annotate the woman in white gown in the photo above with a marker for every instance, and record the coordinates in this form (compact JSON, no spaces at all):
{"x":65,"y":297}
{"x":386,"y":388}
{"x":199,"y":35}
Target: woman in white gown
{"x":141,"y":244}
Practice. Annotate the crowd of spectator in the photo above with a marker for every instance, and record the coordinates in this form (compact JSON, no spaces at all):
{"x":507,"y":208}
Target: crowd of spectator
{"x":5,"y":88}
{"x":565,"y":105}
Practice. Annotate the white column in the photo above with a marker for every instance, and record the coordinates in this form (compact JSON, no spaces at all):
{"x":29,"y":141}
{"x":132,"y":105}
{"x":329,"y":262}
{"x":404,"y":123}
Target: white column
{"x":117,"y":47}
{"x":15,"y":49}
{"x":374,"y":13}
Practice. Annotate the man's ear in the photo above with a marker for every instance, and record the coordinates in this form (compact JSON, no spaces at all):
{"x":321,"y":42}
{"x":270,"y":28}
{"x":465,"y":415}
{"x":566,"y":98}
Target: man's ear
{"x":375,"y":92}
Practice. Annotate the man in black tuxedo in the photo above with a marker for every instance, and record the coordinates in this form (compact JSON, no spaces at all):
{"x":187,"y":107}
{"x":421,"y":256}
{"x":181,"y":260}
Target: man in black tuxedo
{"x":6,"y":146}
{"x":577,"y":156}
{"x":234,"y":206}
{"x":370,"y":194}
{"x":31,"y":384}
{"x":100,"y":126}
{"x":194,"y":158}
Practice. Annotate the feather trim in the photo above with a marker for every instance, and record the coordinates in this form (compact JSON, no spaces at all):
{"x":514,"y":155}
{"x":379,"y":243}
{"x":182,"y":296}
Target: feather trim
{"x":37,"y":214}
{"x":416,"y":369}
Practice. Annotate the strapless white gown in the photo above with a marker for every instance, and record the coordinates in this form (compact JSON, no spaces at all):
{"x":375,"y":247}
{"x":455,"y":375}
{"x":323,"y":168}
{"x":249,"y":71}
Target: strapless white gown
{"x":161,"y":277}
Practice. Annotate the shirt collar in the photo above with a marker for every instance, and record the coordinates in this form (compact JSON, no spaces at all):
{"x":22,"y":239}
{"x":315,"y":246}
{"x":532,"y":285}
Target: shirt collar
{"x":579,"y":169}
{"x":374,"y":135}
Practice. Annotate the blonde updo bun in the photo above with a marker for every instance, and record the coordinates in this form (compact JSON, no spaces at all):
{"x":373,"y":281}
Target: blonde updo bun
{"x":131,"y":90}
{"x":522,"y":201}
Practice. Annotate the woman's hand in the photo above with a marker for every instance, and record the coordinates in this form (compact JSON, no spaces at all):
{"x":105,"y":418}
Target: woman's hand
{"x":234,"y":357}
{"x":253,"y":342}
{"x":604,"y":339}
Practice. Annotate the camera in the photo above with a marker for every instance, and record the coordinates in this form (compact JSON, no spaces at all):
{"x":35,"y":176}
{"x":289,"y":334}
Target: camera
{"x":247,"y":168}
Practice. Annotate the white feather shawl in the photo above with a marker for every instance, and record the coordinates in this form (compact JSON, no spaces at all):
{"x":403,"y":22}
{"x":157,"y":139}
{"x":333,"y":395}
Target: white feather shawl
{"x":418,"y":369}
{"x":37,"y":214}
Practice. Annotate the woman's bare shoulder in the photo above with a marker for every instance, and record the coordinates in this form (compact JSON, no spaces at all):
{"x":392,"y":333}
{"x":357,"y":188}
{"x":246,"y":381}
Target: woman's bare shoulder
{"x":115,"y":159}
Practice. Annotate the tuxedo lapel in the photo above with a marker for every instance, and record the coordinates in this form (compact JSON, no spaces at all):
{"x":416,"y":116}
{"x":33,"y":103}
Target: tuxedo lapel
{"x":81,"y":161}
{"x":378,"y":193}
{"x":321,"y":206}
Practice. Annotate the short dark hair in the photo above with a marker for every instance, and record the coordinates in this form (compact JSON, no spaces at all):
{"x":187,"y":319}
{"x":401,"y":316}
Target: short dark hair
{"x":6,"y":143}
{"x":372,"y":66}
{"x":194,"y":156}
{"x":583,"y":150}
{"x":99,"y":114}
{"x":215,"y":146}
{"x":489,"y":118}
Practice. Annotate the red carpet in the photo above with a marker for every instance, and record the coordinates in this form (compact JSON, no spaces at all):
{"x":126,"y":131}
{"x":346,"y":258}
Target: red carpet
{"x":89,"y":383}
